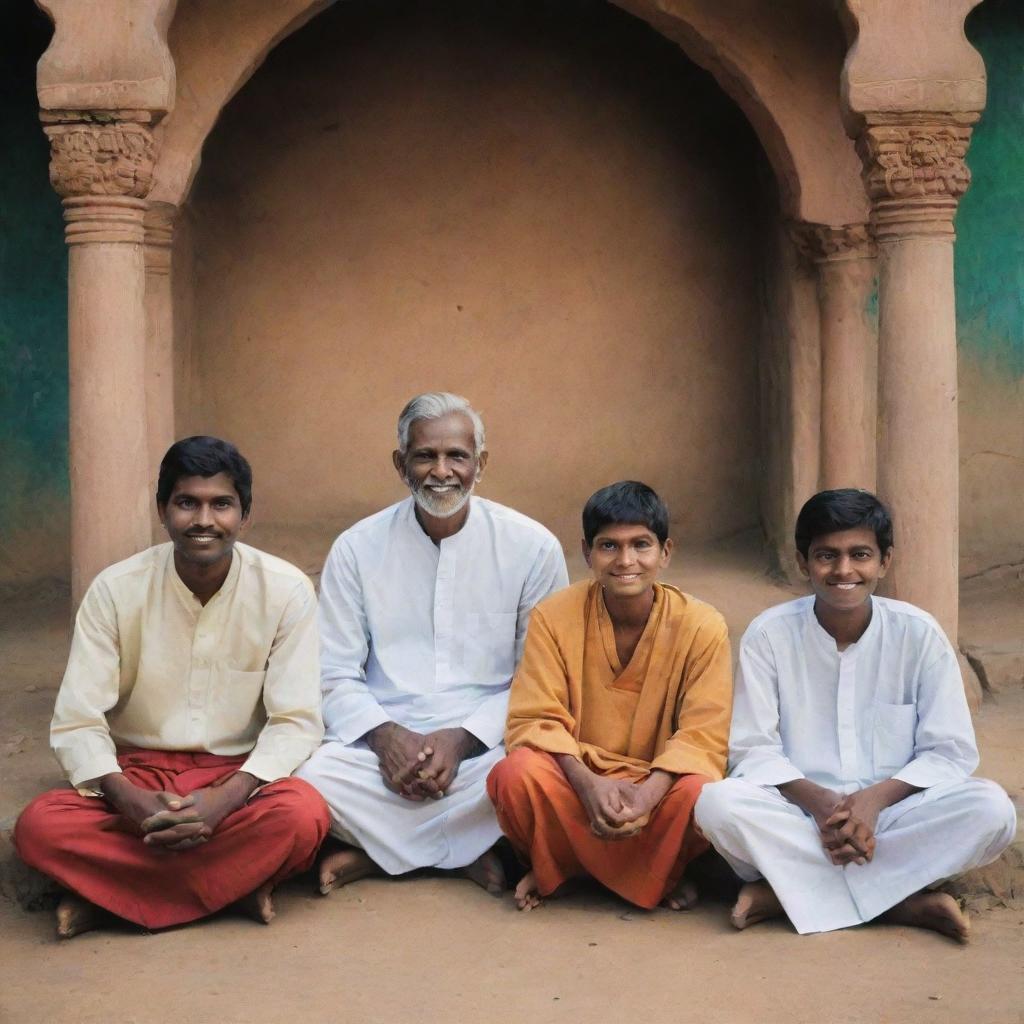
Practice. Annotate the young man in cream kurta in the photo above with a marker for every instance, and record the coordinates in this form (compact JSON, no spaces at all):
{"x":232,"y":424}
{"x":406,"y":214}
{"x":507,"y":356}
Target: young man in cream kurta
{"x":191,"y":694}
{"x":423,"y":612}
{"x":851,"y":747}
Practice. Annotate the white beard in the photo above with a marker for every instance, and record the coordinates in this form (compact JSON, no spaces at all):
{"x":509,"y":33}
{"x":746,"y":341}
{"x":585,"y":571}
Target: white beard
{"x":441,"y":506}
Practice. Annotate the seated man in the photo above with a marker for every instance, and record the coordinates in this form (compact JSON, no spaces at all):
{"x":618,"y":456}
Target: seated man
{"x":189,"y":697}
{"x":423,"y":611}
{"x":618,"y":716}
{"x":851,"y":747}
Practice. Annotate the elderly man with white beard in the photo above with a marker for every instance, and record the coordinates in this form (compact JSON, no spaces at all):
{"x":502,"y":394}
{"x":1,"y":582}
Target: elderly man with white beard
{"x":423,"y":614}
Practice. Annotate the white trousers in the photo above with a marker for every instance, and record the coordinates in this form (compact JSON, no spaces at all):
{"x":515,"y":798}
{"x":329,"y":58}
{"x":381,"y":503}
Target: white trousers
{"x":931,"y":835}
{"x":401,"y":835}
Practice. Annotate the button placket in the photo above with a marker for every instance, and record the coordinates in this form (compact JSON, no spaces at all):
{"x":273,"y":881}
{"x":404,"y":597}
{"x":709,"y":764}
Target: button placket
{"x":846,"y":716}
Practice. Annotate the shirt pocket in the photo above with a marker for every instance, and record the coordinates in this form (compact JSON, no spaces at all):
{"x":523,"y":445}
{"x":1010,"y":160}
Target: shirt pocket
{"x":895,"y":725}
{"x":490,"y":646}
{"x":240,"y":713}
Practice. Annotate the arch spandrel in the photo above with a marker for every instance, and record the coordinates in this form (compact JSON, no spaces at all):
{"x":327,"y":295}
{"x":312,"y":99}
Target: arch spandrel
{"x":217,"y":45}
{"x":768,"y":58}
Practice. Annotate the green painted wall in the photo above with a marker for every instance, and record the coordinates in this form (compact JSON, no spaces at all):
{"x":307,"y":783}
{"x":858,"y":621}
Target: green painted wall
{"x":990,"y":222}
{"x":33,"y":320}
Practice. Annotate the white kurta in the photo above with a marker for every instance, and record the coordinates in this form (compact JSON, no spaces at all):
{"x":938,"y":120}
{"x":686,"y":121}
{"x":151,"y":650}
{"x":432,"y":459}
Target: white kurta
{"x":891,"y":705}
{"x":427,"y":636}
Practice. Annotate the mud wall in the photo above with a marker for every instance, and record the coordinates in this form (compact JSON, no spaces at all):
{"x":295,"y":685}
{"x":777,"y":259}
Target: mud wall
{"x":552,"y":216}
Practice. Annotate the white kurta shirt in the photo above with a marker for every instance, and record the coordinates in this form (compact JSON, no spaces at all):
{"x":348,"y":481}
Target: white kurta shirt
{"x":891,"y":705}
{"x":429,"y":635}
{"x":151,"y":667}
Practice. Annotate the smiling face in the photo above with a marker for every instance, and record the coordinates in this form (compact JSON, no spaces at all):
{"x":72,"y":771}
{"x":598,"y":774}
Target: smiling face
{"x":844,"y":568}
{"x":203,"y":516}
{"x":626,"y":558}
{"x":441,"y":466}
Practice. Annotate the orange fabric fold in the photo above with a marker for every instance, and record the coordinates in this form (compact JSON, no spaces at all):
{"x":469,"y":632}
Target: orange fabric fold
{"x":544,"y":820}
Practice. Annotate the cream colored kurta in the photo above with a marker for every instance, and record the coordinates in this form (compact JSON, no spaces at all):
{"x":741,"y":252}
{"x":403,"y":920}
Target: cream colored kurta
{"x":151,"y":667}
{"x":667,"y":709}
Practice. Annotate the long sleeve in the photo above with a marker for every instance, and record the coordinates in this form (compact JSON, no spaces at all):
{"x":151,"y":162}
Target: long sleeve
{"x":755,"y":743}
{"x":291,"y":692}
{"x":349,"y":709}
{"x":700,"y":744}
{"x":538,"y":713}
{"x":547,"y":574}
{"x":78,"y":732}
{"x":944,"y":745}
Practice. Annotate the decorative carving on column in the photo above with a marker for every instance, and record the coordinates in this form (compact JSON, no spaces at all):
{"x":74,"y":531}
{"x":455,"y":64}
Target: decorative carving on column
{"x":818,"y":243}
{"x":102,"y":166}
{"x":915,"y":171}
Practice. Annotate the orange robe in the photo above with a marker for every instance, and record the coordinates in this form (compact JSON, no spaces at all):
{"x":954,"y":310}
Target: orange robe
{"x":668,"y":709}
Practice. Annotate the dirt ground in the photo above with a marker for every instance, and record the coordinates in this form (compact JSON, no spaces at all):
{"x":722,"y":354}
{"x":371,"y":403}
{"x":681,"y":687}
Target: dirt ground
{"x":431,"y":949}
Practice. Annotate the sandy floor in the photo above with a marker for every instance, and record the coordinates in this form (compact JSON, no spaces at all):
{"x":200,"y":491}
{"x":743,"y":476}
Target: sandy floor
{"x":430,"y":949}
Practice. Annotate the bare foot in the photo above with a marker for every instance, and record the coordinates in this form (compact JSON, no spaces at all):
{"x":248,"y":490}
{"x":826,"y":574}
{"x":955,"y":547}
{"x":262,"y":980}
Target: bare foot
{"x":526,"y":895}
{"x":683,"y":897}
{"x":75,"y":915}
{"x":935,"y":910}
{"x":259,"y":904}
{"x":756,"y":902}
{"x":344,"y":866}
{"x":487,"y":872}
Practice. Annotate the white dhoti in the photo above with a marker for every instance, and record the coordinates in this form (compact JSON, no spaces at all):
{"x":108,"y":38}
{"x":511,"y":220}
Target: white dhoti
{"x":398,"y":834}
{"x":934,"y":834}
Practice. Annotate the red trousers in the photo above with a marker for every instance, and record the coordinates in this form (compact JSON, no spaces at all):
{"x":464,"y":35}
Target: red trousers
{"x":545,"y":821}
{"x":76,"y":841}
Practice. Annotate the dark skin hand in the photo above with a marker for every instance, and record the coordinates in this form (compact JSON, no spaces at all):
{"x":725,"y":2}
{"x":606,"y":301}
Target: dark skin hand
{"x":846,"y":823}
{"x":418,"y":766}
{"x":442,"y":753}
{"x":188,"y":821}
{"x":616,"y":808}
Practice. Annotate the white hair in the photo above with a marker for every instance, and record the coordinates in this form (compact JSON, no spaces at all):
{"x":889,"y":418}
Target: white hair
{"x":432,"y":405}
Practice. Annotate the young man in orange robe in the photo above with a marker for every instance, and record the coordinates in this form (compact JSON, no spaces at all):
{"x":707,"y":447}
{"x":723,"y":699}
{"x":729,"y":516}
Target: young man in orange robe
{"x":618,"y":715}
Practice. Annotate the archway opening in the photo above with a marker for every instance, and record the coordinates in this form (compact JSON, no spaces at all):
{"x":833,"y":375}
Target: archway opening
{"x":546,"y":207}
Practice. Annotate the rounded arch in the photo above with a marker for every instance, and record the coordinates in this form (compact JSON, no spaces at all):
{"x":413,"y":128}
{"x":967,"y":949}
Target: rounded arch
{"x":770,"y":62}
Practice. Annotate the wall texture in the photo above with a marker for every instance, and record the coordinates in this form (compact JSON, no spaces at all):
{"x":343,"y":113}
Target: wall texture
{"x":33,"y":321}
{"x":554,"y":216}
{"x":990,"y":303}
{"x":624,"y":121}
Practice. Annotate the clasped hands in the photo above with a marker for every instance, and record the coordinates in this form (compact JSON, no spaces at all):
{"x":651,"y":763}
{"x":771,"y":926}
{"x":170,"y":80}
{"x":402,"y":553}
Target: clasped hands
{"x":168,"y":821}
{"x":616,"y":808}
{"x":417,"y":765}
{"x":848,"y":829}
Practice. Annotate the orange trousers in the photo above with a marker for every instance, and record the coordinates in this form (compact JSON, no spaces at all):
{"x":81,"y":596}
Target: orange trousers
{"x":545,"y":821}
{"x":77,"y":841}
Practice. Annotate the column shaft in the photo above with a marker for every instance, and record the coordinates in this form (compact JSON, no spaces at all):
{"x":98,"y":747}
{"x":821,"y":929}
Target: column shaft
{"x":848,"y":382}
{"x":918,"y":470}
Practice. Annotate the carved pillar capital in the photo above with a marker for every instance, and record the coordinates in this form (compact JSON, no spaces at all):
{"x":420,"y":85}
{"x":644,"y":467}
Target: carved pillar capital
{"x":915,"y":171}
{"x":823,"y":243}
{"x":102,"y":165}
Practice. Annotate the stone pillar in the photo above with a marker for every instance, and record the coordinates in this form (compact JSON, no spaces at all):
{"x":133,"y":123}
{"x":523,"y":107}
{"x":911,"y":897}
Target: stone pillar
{"x":159,"y":352}
{"x":102,"y":165}
{"x":846,"y":268}
{"x":915,"y":173}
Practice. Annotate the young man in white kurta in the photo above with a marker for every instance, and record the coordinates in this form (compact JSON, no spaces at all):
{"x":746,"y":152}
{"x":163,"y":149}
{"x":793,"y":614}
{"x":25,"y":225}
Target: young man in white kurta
{"x":426,"y":635}
{"x":889,"y":706}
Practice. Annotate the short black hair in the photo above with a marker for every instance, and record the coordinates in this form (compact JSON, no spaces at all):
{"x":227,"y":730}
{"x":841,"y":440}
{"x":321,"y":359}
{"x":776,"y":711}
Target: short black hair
{"x":204,"y":456}
{"x":628,"y":501}
{"x":844,"y":509}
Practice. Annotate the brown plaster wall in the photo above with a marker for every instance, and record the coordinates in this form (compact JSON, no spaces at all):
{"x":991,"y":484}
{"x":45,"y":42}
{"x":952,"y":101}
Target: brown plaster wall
{"x":553,"y":215}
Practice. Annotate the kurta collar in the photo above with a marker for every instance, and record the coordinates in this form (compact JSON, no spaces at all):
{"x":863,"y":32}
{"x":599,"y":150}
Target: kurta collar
{"x":827,"y":642}
{"x":189,"y":599}
{"x":408,"y":514}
